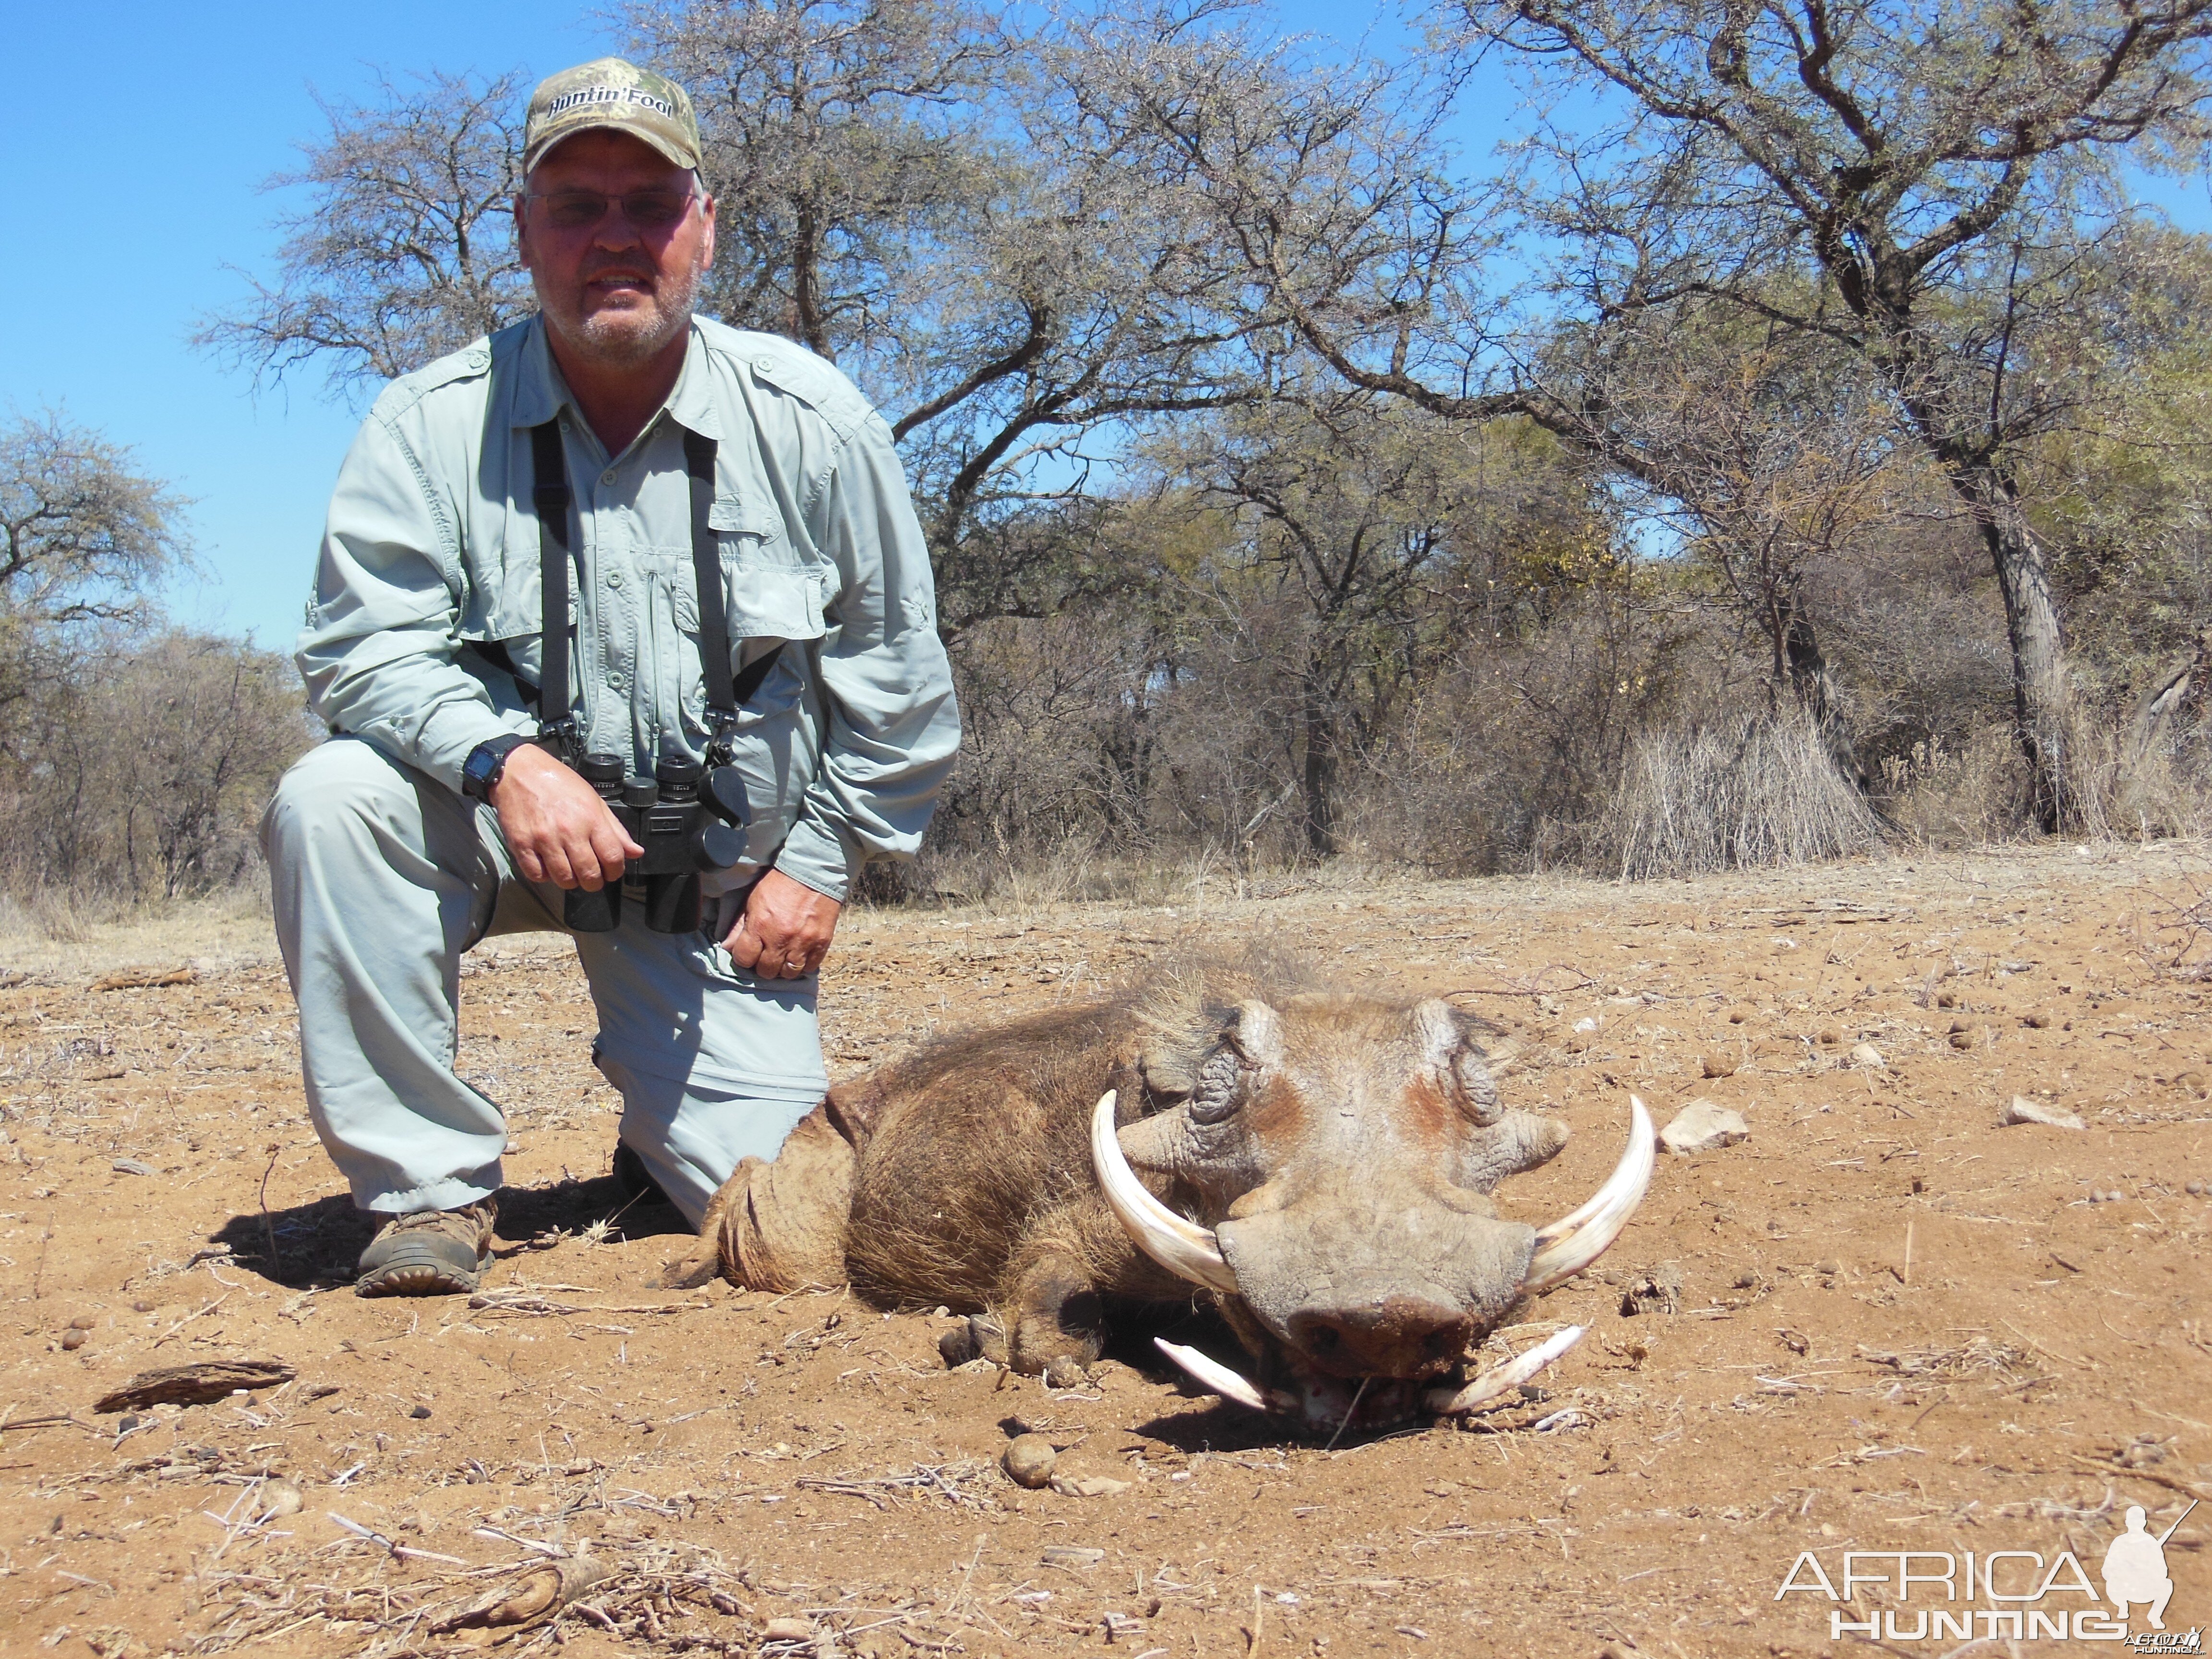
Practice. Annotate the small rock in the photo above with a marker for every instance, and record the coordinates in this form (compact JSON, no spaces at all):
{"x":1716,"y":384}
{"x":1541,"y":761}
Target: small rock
{"x":141,"y":1305}
{"x":131,"y":1166}
{"x":281,"y":1498}
{"x":2023,"y":1110}
{"x":73,"y":1339}
{"x":1867,"y":1057}
{"x":1946,"y":998}
{"x":2195,"y":1189}
{"x":420,"y":1414}
{"x":2192,"y":1081}
{"x":1830,"y":1038}
{"x":786,"y":1629}
{"x":1029,"y":1459}
{"x":1716,"y":1066}
{"x":2116,"y":1196}
{"x":82,"y":1322}
{"x":1962,"y":1039}
{"x":1063,"y":1372}
{"x":1087,"y":1485}
{"x":2038,"y":1021}
{"x":1737,"y":1016}
{"x":1702,"y":1126}
{"x":1655,"y":1291}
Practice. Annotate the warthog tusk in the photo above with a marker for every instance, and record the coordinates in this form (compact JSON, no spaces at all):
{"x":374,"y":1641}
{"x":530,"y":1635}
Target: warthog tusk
{"x":1510,"y":1374}
{"x":1223,"y":1380}
{"x":1181,"y":1246}
{"x":1580,"y":1236}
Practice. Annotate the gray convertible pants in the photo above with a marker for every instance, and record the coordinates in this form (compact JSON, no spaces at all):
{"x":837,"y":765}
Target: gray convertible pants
{"x":382,"y":878}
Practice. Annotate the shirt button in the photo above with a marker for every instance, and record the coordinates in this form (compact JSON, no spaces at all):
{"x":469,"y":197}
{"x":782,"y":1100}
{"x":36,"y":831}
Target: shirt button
{"x":617,"y":680}
{"x":614,"y":578}
{"x":607,"y":476}
{"x":764,"y":365}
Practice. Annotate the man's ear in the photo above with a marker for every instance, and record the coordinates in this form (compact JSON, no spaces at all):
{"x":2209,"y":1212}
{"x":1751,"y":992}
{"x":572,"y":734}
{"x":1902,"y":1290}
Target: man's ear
{"x":521,"y":237}
{"x":707,"y":242}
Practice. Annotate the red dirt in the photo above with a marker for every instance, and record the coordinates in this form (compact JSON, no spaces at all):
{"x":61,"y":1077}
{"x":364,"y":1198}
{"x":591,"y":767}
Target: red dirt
{"x":1788,"y":1381}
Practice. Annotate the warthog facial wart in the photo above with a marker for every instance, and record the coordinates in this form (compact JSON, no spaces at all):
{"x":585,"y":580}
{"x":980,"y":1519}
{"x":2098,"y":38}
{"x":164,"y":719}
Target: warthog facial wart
{"x":1317,"y":1164}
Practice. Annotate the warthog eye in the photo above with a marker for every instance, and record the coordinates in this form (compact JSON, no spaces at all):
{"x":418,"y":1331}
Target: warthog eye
{"x":1215,"y":1097}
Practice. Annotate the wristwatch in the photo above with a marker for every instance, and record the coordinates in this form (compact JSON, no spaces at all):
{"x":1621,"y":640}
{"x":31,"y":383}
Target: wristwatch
{"x":484,"y":764}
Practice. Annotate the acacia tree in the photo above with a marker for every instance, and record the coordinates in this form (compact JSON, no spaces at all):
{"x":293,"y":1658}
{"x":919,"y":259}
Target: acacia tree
{"x":84,"y":538}
{"x":909,"y":186}
{"x":1347,"y":579}
{"x":404,"y":252}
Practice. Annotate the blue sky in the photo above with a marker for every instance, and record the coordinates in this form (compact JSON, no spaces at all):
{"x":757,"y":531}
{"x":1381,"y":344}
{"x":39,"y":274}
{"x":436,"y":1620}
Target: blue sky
{"x":166,"y":119}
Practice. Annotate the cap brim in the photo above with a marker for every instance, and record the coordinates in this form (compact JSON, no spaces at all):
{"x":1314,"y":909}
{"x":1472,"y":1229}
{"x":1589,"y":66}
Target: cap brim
{"x":551,"y":141}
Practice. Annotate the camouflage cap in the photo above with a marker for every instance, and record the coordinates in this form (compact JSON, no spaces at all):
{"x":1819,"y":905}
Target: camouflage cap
{"x":611,"y":92}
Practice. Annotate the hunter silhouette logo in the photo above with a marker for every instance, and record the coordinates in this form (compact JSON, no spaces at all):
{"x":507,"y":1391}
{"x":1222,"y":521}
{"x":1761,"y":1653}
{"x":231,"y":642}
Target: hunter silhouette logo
{"x":2020,"y":1586}
{"x":2135,"y":1568}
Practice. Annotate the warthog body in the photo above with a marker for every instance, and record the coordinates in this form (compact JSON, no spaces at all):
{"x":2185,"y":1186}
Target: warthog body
{"x":1321,"y":1162}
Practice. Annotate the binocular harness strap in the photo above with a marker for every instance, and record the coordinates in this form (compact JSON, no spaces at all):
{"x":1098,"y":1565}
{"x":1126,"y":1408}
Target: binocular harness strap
{"x":556,"y":723}
{"x":714,"y":603}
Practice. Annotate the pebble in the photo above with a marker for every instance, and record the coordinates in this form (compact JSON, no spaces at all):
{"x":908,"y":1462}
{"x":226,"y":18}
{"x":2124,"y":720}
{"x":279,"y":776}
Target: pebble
{"x":1087,"y":1485}
{"x":73,"y":1339}
{"x":786,"y":1629}
{"x":1830,"y":1038}
{"x":1867,"y":1057}
{"x":2195,"y":1189}
{"x":2023,"y":1110}
{"x":1029,"y":1460}
{"x":1716,"y":1066}
{"x":281,"y":1498}
{"x":1064,"y":1372}
{"x":82,"y":1322}
{"x":1962,"y":1039}
{"x":420,"y":1414}
{"x":1703,"y":1125}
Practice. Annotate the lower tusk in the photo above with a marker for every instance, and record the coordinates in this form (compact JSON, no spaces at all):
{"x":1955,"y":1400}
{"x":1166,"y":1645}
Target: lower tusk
{"x":1579,"y":1237}
{"x":1228,"y":1384}
{"x":1506,"y":1378}
{"x":1180,"y":1245}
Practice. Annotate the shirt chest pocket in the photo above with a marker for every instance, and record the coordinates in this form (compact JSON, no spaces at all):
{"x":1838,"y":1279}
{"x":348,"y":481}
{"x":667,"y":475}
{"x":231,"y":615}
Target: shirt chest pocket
{"x":763,"y":604}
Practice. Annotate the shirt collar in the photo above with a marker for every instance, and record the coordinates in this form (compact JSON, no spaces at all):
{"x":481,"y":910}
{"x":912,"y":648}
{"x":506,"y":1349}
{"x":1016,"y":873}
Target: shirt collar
{"x":540,"y":394}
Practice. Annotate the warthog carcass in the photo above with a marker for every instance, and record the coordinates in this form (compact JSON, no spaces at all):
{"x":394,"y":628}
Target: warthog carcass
{"x":1320,"y":1162}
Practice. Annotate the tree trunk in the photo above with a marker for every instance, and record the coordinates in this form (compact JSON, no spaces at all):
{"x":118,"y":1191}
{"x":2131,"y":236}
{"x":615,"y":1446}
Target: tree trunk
{"x":2158,"y":710}
{"x":2039,"y":687}
{"x":1317,"y":782}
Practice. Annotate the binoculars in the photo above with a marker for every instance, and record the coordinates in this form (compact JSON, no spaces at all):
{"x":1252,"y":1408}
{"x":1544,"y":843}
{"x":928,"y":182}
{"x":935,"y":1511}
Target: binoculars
{"x":688,"y":819}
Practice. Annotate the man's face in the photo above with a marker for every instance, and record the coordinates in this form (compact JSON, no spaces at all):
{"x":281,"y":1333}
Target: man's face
{"x":614,"y":292}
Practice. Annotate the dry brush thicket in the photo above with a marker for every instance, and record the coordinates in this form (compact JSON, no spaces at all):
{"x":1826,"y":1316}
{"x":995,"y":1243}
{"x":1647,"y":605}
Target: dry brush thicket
{"x":1801,"y":447}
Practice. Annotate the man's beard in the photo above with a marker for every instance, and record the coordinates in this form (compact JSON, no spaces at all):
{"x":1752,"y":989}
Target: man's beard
{"x":626,"y":338}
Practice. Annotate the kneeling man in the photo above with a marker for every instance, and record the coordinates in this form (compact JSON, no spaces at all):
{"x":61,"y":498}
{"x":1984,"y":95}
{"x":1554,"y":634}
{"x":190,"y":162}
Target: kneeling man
{"x":624,"y":625}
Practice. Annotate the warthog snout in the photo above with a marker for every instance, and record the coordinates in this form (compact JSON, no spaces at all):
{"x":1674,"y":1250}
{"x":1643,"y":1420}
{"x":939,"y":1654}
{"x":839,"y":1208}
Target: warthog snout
{"x":1399,"y":1336}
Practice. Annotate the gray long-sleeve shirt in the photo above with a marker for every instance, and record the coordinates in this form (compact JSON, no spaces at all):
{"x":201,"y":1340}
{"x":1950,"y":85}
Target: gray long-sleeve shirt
{"x":431,"y":553}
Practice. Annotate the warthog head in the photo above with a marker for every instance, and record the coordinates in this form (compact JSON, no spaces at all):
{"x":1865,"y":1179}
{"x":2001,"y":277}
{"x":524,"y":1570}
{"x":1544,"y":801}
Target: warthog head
{"x":1339,"y":1154}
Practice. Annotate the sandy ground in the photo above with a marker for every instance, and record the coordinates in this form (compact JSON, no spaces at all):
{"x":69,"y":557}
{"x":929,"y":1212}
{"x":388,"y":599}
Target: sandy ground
{"x":1882,"y":1323}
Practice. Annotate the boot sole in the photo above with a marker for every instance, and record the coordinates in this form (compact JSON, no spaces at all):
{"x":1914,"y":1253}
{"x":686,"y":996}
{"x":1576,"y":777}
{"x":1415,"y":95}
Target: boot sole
{"x":418,"y":1274}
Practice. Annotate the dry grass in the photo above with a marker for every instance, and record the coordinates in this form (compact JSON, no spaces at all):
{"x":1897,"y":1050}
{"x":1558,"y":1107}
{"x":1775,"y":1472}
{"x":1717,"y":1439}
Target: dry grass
{"x":1756,"y":791}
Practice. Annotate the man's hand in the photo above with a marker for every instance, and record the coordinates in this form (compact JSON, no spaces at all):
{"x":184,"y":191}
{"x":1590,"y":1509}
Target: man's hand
{"x":785,"y":931}
{"x":555,"y":825}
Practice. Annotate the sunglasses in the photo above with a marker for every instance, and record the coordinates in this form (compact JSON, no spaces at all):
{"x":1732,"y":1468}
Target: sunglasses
{"x":579,"y":209}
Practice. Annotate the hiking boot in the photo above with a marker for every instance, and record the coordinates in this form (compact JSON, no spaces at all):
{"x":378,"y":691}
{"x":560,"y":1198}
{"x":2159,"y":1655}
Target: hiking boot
{"x":430,"y":1253}
{"x":638,"y":1186}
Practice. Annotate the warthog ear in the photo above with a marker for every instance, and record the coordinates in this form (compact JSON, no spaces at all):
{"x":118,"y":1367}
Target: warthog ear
{"x":1448,"y":1048}
{"x":1515,"y":1143}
